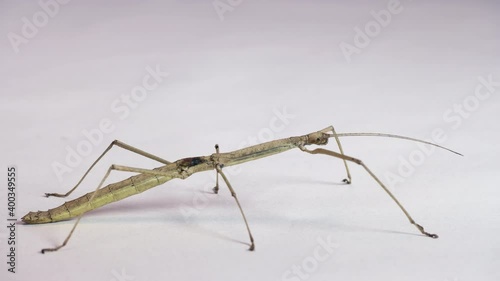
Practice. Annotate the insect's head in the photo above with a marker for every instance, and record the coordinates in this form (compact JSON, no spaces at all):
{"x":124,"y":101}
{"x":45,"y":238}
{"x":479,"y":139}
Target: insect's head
{"x":318,"y":138}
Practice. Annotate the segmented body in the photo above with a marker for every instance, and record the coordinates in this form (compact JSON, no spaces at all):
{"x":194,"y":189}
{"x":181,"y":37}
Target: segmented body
{"x":182,"y":168}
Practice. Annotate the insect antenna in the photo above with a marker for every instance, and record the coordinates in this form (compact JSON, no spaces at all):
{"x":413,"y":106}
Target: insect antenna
{"x":393,"y":136}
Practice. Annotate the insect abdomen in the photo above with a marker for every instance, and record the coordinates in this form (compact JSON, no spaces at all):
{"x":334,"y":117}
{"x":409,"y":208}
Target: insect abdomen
{"x":104,"y":196}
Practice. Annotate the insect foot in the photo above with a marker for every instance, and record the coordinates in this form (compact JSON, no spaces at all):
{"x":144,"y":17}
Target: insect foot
{"x":434,"y":236}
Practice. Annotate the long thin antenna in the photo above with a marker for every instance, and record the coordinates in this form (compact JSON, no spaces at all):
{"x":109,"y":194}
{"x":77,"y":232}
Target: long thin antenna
{"x":393,"y":136}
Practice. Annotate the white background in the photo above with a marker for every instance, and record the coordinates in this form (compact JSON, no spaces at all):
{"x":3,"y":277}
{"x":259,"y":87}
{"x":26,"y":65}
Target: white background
{"x":228,"y":74}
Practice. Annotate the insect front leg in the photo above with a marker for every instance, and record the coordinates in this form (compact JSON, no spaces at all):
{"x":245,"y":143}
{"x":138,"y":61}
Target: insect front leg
{"x":347,"y":180}
{"x":359,"y":162}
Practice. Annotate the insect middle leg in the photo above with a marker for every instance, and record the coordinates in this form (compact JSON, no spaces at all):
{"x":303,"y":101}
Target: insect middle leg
{"x":216,"y":187}
{"x":233,"y":193}
{"x":111,"y":168}
{"x":113,"y":143}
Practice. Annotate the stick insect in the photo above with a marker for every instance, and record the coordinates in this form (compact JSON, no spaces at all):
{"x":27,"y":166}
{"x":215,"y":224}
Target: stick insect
{"x":183,"y":168}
